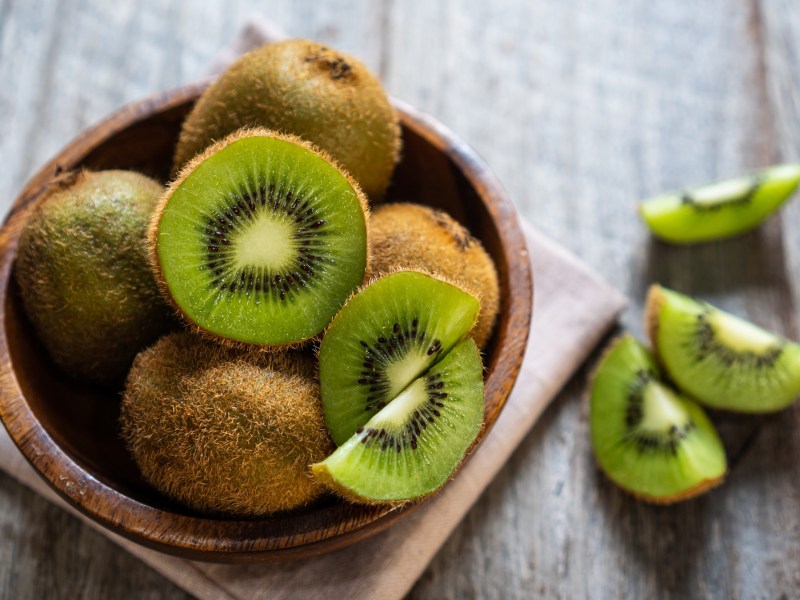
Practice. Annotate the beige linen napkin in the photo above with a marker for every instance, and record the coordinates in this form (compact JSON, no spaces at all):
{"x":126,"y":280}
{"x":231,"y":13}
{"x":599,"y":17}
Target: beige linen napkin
{"x":573,"y":308}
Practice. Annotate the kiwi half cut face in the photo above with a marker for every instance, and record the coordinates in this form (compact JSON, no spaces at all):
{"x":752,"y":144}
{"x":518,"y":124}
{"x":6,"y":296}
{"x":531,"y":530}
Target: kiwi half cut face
{"x":384,"y":338}
{"x":411,"y":447}
{"x":722,"y":209}
{"x":721,"y":360}
{"x":649,"y":439}
{"x":260,"y":240}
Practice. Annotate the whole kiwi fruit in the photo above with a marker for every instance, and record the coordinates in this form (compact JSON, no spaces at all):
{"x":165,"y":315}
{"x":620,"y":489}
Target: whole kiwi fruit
{"x":84,"y":275}
{"x":223,"y":430}
{"x":405,"y":235}
{"x":303,"y":88}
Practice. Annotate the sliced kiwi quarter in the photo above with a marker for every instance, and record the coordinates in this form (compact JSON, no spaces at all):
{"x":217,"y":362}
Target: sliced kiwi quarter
{"x":260,"y":240}
{"x":647,"y":437}
{"x":385,"y":337}
{"x":722,"y":209}
{"x":412,"y":446}
{"x":721,"y":360}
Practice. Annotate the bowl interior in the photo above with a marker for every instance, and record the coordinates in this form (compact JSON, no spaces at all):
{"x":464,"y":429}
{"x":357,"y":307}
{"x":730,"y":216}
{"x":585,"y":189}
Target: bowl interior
{"x":83,"y":421}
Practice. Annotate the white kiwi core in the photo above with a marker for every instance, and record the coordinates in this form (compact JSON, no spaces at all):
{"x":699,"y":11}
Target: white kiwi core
{"x":738,"y":334}
{"x":661,"y":409}
{"x":268,"y":242}
{"x":722,"y":192}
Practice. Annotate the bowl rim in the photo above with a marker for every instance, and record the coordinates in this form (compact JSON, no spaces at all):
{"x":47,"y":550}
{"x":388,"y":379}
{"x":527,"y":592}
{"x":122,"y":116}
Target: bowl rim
{"x":197,"y":537}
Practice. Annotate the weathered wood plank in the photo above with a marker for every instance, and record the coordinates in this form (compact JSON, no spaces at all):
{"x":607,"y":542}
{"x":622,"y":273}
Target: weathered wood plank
{"x":581,"y":107}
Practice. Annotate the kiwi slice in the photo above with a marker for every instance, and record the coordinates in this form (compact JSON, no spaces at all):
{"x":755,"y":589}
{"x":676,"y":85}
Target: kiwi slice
{"x":224,"y":430}
{"x":412,"y":446}
{"x":722,"y":209}
{"x":413,"y":236}
{"x":260,"y":240}
{"x":648,"y":438}
{"x":306,"y":89}
{"x":721,"y":360}
{"x":84,"y":275}
{"x":385,"y":337}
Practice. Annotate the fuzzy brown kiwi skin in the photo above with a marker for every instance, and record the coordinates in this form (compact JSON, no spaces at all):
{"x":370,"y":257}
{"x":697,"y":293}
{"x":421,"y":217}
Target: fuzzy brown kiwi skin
{"x":115,"y":205}
{"x":257,"y":417}
{"x":653,"y":304}
{"x":304,"y":88}
{"x":408,"y":235}
{"x":697,"y":490}
{"x":244,"y":132}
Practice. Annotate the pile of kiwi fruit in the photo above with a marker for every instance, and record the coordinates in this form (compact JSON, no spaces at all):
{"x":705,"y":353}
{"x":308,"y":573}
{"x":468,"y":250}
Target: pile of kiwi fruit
{"x":278,"y":330}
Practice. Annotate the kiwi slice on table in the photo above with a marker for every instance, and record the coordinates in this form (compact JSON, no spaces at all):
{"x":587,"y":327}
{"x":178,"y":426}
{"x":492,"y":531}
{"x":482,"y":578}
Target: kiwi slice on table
{"x":412,"y":446}
{"x":303,"y":88}
{"x":721,"y":360}
{"x":384,"y":338}
{"x":260,"y":240}
{"x":722,"y":209}
{"x":413,"y":236}
{"x":224,"y":430}
{"x":649,"y":439}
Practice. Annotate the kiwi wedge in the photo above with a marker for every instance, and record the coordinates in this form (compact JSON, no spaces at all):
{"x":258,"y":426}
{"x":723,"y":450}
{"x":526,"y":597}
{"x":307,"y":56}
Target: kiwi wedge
{"x":648,"y":438}
{"x":260,"y":240}
{"x":384,"y":338}
{"x":306,"y":89}
{"x":224,"y":430}
{"x":412,"y":446}
{"x":721,"y":360}
{"x":404,"y":235}
{"x":84,"y":275}
{"x":722,"y":209}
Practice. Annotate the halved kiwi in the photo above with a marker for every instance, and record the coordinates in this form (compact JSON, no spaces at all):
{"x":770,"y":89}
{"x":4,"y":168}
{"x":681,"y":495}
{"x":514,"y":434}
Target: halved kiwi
{"x":412,"y":446}
{"x":260,"y":240}
{"x":384,"y":338}
{"x":721,"y":360}
{"x":722,"y":209}
{"x":649,"y":439}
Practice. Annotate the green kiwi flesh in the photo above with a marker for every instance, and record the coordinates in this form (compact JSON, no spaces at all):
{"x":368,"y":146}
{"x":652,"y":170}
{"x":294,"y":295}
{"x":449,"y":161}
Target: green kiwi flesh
{"x":412,"y":446}
{"x":225,"y":430}
{"x":84,"y":275}
{"x":721,"y":360}
{"x":306,"y":89}
{"x":261,"y":240}
{"x":384,"y":338}
{"x":722,"y":209}
{"x":649,"y":439}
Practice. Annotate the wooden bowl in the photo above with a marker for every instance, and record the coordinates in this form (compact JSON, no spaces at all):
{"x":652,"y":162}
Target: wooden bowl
{"x":69,"y":432}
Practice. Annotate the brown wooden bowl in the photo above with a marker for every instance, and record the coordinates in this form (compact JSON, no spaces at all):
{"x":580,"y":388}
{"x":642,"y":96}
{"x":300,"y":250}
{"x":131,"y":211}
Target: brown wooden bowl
{"x":69,"y":432}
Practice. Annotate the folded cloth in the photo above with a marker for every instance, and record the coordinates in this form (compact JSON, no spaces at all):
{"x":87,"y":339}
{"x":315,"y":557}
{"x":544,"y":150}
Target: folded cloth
{"x":573,"y":309}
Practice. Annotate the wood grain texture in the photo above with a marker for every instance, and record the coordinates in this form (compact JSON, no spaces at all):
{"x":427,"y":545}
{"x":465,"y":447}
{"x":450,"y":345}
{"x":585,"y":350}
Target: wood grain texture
{"x":581,"y":107}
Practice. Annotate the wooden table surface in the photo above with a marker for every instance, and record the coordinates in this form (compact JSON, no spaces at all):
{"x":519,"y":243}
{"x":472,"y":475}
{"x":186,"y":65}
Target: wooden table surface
{"x":581,"y":107}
